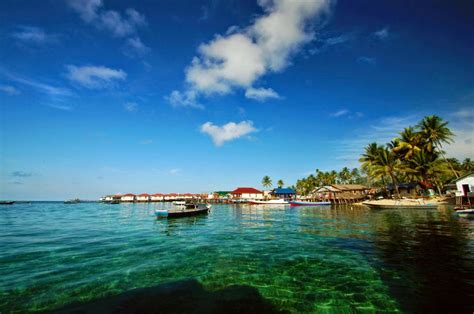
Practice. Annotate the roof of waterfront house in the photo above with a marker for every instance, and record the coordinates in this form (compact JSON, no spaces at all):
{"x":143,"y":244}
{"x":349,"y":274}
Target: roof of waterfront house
{"x":246,"y":190}
{"x":129,"y":194}
{"x":283,"y":191}
{"x":464,"y":176}
{"x":350,"y":187}
{"x":157,"y":194}
{"x":144,"y":194}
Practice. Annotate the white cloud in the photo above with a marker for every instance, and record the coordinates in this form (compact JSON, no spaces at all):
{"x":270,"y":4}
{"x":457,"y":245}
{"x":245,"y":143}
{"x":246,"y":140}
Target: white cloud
{"x":186,"y":99}
{"x":382,"y":33}
{"x":9,"y":90}
{"x":95,"y":77}
{"x":340,"y":113}
{"x":32,"y":34}
{"x":118,"y":24}
{"x":367,"y":60}
{"x":130,"y":106}
{"x":39,"y":86}
{"x":239,"y":58}
{"x":175,"y":171}
{"x":261,"y":94}
{"x":135,"y":47}
{"x":59,"y":106}
{"x":227,"y":132}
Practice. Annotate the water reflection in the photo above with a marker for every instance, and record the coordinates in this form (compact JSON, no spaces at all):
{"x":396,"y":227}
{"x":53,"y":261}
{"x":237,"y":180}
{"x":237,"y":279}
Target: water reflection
{"x":427,"y":262}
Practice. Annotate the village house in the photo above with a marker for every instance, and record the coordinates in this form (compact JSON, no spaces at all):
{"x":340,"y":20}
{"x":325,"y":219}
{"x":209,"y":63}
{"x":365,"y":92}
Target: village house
{"x":244,"y":193}
{"x":285,"y":193}
{"x":342,"y":192}
{"x":128,"y":198}
{"x":465,"y":189}
{"x":157,"y":197}
{"x":144,"y":197}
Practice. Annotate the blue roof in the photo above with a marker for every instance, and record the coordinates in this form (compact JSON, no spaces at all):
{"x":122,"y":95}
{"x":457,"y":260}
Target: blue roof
{"x":284,"y":191}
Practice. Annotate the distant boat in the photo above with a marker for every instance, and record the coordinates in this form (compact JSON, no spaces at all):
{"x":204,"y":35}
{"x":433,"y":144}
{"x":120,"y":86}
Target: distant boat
{"x":114,"y":202}
{"x":270,"y":202}
{"x":7,"y":202}
{"x":184,"y":211}
{"x":465,"y":213}
{"x":73,"y":201}
{"x":301,"y":203}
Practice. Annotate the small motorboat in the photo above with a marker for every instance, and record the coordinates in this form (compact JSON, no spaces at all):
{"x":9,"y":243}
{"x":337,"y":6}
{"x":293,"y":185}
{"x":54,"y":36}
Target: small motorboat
{"x":269,"y":202}
{"x":465,"y":213}
{"x":179,"y":203}
{"x":73,"y":201}
{"x":301,"y":203}
{"x":189,"y":209}
{"x":7,"y":202}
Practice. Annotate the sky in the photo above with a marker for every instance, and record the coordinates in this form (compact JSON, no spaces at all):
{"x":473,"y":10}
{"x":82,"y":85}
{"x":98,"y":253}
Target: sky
{"x":100,"y":97}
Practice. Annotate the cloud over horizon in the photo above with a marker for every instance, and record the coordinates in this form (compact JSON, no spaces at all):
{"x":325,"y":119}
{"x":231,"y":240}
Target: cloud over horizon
{"x":242,"y":56}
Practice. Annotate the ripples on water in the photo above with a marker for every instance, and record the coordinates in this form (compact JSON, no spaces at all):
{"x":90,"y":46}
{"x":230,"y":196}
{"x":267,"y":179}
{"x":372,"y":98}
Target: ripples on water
{"x":345,"y":259}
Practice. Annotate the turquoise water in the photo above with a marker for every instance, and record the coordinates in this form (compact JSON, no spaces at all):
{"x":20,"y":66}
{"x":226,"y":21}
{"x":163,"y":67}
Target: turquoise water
{"x":340,"y":260}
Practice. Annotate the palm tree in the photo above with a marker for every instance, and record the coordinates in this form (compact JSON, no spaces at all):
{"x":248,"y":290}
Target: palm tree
{"x":467,"y":165}
{"x":428,"y":167}
{"x":435,"y":132}
{"x":344,"y":175}
{"x":409,"y":143}
{"x":267,"y":182}
{"x":386,"y":164}
{"x":280,"y":183}
{"x":369,"y":159}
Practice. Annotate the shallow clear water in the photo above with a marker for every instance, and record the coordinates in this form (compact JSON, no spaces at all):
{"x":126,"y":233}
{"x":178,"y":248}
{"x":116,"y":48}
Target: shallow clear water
{"x":343,"y":260}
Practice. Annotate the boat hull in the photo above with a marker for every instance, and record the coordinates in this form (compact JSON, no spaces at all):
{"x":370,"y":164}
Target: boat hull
{"x":394,"y":206}
{"x":7,"y":202}
{"x":465,"y":213}
{"x":296,"y":204}
{"x":182,"y":212}
{"x":277,"y":202}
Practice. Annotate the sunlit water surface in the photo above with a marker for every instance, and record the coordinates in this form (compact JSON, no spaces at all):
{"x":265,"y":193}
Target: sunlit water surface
{"x":344,"y":260}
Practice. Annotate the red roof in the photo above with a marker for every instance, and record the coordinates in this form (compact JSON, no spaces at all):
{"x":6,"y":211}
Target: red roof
{"x":144,"y":194}
{"x":129,"y":194}
{"x":246,"y":190}
{"x":157,"y":194}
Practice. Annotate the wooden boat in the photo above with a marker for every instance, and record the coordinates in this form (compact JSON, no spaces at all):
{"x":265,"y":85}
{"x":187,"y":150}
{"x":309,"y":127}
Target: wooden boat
{"x":465,"y":213}
{"x":270,"y":202}
{"x":302,"y":203}
{"x":400,"y":204}
{"x":183,"y":211}
{"x":73,"y":201}
{"x":7,"y":202}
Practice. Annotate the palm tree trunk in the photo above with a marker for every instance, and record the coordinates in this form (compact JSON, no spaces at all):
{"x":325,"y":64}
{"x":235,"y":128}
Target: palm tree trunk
{"x":449,"y":164}
{"x":395,"y":185}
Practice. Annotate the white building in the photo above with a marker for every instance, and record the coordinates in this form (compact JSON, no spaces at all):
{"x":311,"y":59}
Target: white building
{"x":247,"y":194}
{"x":128,"y":198}
{"x":143,"y":197}
{"x":465,"y":185}
{"x":157,"y":197}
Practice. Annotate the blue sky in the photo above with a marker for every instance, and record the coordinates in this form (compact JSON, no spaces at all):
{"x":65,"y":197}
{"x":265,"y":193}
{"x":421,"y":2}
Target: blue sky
{"x":100,"y":97}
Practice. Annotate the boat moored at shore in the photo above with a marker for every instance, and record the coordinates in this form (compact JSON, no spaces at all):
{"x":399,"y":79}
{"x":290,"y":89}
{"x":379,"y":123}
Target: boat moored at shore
{"x":269,"y":202}
{"x":401,"y":204}
{"x":303,"y":203}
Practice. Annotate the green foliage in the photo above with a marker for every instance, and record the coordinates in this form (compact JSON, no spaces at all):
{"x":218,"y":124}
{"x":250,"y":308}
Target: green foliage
{"x":416,"y":155}
{"x":267,"y":182}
